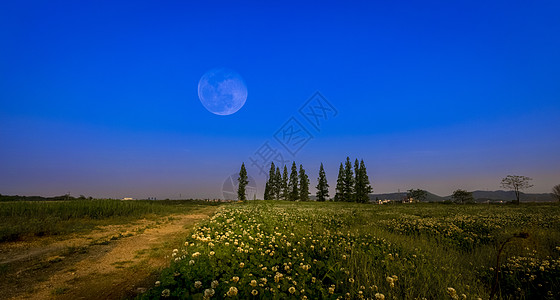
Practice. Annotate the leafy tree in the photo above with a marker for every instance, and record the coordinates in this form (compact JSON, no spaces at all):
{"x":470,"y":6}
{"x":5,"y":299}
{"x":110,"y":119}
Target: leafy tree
{"x":303,"y":185}
{"x":285,"y":191}
{"x":517,"y":184}
{"x":322,"y":185}
{"x":270,"y":183}
{"x":243,"y":181}
{"x":417,"y":195}
{"x":348,"y":181}
{"x":362,"y":186}
{"x":339,"y":195}
{"x":556,"y":191}
{"x":462,"y":196}
{"x":277,"y":184}
{"x":293,"y":184}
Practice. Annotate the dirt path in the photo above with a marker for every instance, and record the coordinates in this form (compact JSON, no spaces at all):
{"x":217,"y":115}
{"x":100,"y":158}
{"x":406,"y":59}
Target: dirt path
{"x":113,"y":262}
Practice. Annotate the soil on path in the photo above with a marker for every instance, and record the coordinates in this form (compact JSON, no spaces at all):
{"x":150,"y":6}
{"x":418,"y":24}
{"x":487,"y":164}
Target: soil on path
{"x":112,"y":262}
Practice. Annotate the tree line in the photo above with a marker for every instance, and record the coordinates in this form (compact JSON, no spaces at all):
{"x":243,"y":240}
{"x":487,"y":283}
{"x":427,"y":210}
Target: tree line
{"x":352,"y":185}
{"x":281,"y":186}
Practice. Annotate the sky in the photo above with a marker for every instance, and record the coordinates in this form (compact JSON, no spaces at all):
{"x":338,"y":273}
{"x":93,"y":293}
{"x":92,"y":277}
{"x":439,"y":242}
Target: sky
{"x":99,"y":98}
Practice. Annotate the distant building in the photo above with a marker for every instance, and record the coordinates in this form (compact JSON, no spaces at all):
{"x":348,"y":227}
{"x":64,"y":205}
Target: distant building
{"x":409,"y":200}
{"x":127,"y":198}
{"x":384,"y":201}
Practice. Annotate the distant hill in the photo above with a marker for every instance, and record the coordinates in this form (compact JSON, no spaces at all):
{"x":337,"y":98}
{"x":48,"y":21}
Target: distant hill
{"x":479,"y":196}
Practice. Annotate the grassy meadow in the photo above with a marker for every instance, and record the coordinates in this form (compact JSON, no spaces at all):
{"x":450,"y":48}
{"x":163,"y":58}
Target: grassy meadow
{"x":23,"y":219}
{"x":333,"y":250}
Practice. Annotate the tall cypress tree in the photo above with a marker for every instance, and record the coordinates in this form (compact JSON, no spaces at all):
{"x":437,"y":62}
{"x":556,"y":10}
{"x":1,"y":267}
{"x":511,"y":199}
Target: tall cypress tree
{"x":362,"y":187}
{"x":339,"y":196}
{"x":243,"y":181}
{"x":356,"y":180}
{"x":293,"y":184}
{"x":322,"y":185}
{"x":277,"y":184}
{"x":267,"y":190}
{"x":348,"y":181}
{"x":285,"y":190}
{"x":303,"y":185}
{"x":270,"y":183}
{"x":366,"y":186}
{"x":356,"y":168}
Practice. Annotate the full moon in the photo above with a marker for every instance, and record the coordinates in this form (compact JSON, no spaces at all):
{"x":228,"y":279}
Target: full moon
{"x":222,"y":91}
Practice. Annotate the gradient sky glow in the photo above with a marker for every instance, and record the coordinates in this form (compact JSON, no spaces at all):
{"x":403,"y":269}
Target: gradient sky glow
{"x":100,"y":97}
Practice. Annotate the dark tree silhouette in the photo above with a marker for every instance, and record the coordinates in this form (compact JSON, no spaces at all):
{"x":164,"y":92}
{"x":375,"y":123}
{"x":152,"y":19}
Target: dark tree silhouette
{"x":357,"y":186}
{"x":348,"y":181}
{"x":517,"y":184}
{"x":322,"y":185}
{"x":278,"y":184}
{"x":362,"y":187}
{"x":339,"y":195}
{"x":242,"y":179}
{"x":462,"y":196}
{"x":285,"y":191}
{"x":293,"y":184}
{"x":303,"y":184}
{"x":270,"y":183}
{"x":556,"y":191}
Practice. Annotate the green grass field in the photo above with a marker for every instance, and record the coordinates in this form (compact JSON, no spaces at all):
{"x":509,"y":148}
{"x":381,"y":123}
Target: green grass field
{"x":310,"y":250}
{"x":22,"y":219}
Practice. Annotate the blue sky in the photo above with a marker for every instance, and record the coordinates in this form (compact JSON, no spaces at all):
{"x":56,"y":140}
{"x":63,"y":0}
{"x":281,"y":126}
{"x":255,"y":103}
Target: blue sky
{"x":100,"y":98}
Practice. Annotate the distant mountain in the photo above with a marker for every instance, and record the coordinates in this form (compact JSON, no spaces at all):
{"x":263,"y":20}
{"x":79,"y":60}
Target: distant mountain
{"x":479,"y":196}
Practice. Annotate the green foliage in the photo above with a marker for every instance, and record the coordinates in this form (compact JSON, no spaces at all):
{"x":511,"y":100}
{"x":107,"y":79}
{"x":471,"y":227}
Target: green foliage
{"x":293,"y":184}
{"x":339,"y":196}
{"x":528,"y":276}
{"x":462,"y":196}
{"x":37,"y":198}
{"x":270,"y":186}
{"x":353,"y":186}
{"x":284,"y":250}
{"x":243,"y":181}
{"x":267,"y":191}
{"x":277,"y":184}
{"x":556,"y":192}
{"x":322,"y":185}
{"x":40,"y":218}
{"x":362,"y":187}
{"x":357,"y":185}
{"x":303,"y":185}
{"x":285,"y":187}
{"x":348,"y":182}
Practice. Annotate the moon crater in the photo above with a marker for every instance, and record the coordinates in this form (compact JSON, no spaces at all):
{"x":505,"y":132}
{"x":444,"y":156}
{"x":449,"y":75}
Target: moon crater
{"x":222,"y":91}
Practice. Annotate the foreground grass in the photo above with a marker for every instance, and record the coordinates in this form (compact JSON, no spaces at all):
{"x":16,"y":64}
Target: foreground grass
{"x":286,"y":250}
{"x":23,"y":219}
